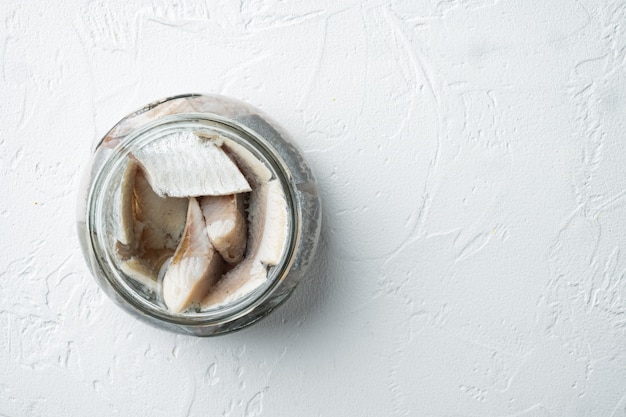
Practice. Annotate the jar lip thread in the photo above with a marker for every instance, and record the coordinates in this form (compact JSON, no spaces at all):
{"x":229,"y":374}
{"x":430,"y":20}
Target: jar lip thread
{"x":104,"y":181}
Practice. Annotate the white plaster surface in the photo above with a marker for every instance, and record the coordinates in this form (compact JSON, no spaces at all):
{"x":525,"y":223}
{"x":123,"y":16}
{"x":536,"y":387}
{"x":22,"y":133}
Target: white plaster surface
{"x":471,"y":157}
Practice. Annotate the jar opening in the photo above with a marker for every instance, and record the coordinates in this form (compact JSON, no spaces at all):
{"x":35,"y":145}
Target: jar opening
{"x":101,"y":209}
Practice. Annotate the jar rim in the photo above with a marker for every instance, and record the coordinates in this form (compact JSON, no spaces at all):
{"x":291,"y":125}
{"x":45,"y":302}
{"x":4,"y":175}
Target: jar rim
{"x":144,"y":135}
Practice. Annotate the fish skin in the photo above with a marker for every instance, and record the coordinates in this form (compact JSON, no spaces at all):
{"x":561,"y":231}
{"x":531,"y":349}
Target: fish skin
{"x":183,"y":164}
{"x":195,"y":267}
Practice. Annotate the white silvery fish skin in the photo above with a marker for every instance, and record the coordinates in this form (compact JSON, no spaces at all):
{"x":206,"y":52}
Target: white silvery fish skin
{"x":182,"y":164}
{"x":195,"y":267}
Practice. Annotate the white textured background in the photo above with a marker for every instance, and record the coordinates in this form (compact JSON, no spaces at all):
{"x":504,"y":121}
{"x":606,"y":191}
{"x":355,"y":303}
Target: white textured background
{"x":471,"y":156}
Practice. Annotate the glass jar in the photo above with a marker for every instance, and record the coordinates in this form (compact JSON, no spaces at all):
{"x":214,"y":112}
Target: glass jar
{"x":99,"y":218}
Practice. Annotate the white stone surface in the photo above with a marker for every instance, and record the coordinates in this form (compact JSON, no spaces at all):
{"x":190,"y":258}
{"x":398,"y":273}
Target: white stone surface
{"x":471,"y":156}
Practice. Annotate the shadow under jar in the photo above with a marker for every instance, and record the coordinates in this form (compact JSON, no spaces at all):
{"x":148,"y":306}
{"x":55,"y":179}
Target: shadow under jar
{"x":133,"y":258}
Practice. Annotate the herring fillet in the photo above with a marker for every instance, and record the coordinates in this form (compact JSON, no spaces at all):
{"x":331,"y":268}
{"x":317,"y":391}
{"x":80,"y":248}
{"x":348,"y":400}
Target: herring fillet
{"x":160,"y":221}
{"x":267,"y":223}
{"x":195,"y":267}
{"x":270,"y":230}
{"x":151,"y":225}
{"x":226,"y":225}
{"x":267,"y":239}
{"x":182,"y":164}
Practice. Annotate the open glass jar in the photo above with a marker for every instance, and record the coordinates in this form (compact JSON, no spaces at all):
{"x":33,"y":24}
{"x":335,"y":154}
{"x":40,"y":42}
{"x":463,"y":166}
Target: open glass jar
{"x":118,"y":243}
